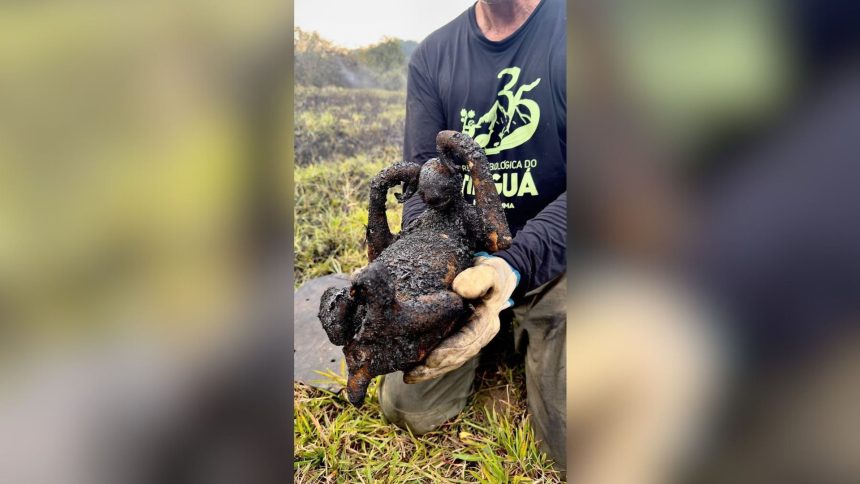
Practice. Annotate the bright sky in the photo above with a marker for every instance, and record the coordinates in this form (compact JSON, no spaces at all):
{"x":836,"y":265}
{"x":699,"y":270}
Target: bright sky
{"x":355,"y":23}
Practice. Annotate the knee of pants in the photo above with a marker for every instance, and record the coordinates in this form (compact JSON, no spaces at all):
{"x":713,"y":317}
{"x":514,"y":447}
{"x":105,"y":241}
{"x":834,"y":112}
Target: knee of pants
{"x":424,"y":406}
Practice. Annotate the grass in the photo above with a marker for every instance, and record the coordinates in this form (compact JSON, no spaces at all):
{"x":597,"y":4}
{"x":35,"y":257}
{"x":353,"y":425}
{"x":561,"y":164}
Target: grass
{"x":490,"y":441}
{"x":343,"y":138}
{"x":331,"y":216}
{"x":334,"y":123}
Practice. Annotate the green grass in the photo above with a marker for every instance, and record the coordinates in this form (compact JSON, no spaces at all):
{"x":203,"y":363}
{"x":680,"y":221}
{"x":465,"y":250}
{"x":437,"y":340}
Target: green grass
{"x":343,"y":138}
{"x":490,"y":441}
{"x":331,"y":216}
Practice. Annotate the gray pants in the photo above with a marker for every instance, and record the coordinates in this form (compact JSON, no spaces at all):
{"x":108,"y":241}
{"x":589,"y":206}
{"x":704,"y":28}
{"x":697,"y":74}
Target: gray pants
{"x":540,"y":323}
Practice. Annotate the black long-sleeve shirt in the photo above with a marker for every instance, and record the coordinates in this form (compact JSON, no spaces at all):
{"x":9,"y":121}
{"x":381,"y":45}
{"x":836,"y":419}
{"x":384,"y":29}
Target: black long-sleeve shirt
{"x":510,"y":96}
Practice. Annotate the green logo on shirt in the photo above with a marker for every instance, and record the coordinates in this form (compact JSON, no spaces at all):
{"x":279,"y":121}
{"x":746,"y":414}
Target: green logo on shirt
{"x":510,"y":122}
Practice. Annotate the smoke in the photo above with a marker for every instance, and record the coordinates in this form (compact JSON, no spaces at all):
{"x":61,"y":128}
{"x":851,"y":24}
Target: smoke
{"x":356,"y":78}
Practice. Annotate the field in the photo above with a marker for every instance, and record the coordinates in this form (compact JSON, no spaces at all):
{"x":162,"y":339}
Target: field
{"x":343,"y":137}
{"x":334,"y":123}
{"x":490,"y":441}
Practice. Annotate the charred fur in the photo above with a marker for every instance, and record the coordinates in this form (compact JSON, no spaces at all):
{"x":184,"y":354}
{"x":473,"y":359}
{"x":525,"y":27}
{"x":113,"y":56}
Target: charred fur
{"x":401,"y":305}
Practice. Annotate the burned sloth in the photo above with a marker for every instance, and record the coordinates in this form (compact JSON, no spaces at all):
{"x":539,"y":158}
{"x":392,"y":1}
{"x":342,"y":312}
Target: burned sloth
{"x":401,"y":305}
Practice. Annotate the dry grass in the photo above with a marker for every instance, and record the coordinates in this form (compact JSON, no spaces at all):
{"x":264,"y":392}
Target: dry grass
{"x":490,"y":441}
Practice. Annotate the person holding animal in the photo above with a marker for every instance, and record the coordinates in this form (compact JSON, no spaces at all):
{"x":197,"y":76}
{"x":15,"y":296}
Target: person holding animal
{"x":497,"y":74}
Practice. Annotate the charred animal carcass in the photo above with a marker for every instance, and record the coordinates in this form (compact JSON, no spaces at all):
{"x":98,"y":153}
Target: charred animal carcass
{"x":401,"y":306}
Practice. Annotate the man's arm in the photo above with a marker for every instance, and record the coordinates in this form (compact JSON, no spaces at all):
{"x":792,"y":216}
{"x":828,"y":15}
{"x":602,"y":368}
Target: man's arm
{"x":424,"y":119}
{"x":538,"y":251}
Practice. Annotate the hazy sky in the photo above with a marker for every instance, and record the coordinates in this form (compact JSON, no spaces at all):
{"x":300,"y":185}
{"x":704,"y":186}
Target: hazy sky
{"x":354,"y":23}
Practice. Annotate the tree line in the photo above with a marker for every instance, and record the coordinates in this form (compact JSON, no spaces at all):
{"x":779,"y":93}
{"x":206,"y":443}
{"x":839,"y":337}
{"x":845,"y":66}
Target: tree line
{"x":320,"y":62}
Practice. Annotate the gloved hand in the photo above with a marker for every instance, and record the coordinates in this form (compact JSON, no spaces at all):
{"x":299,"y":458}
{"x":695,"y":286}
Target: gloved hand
{"x":492,"y":280}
